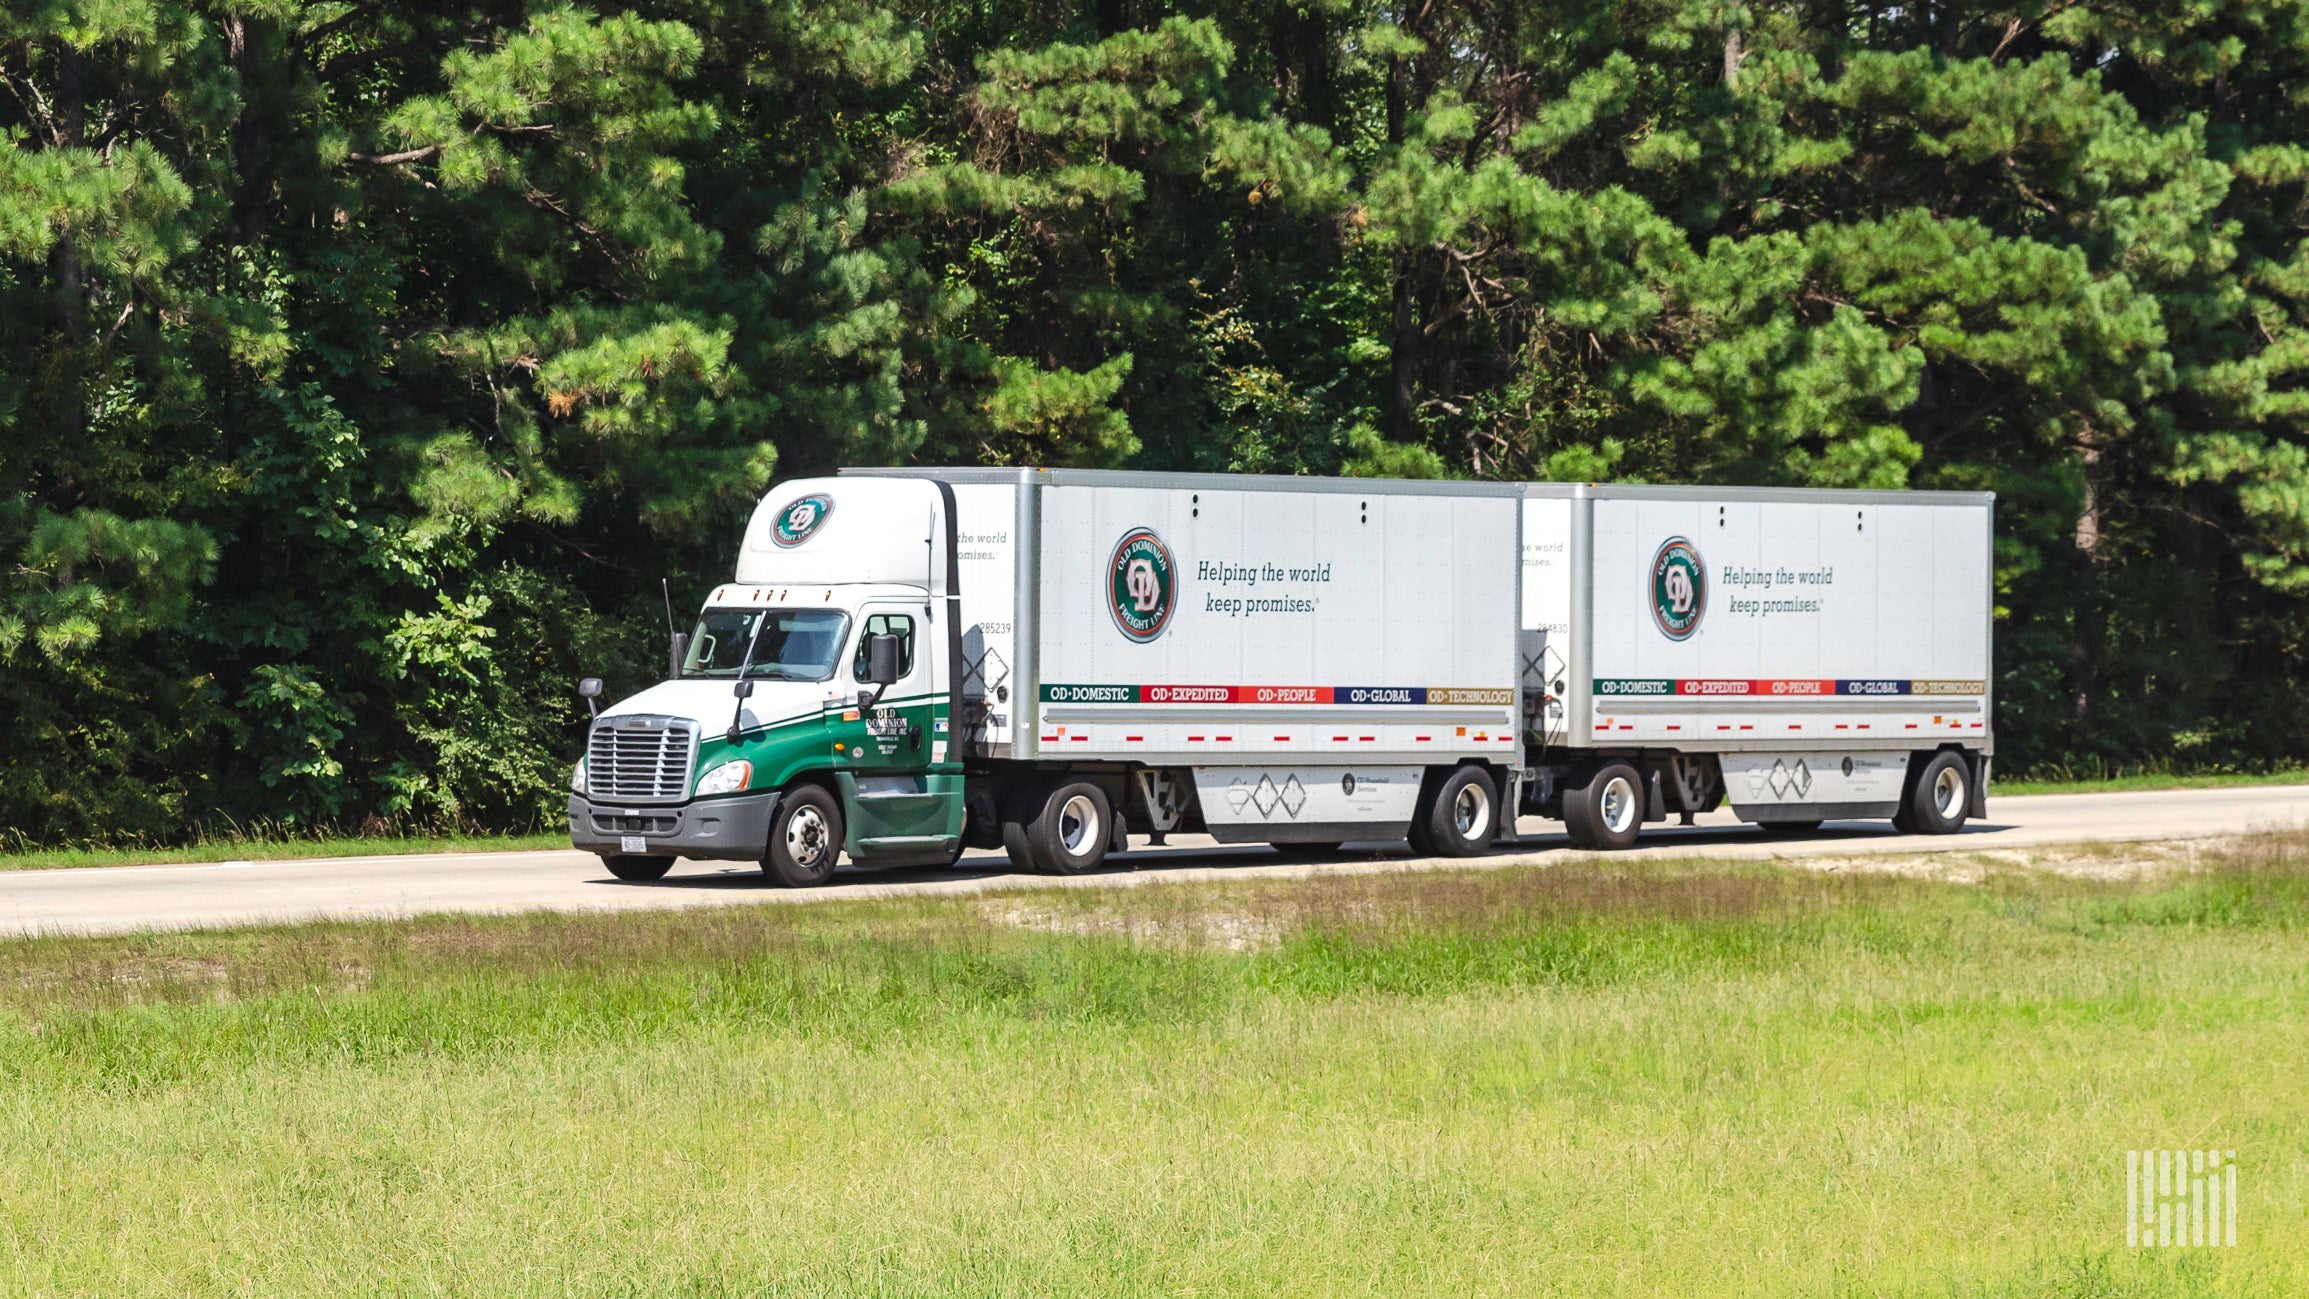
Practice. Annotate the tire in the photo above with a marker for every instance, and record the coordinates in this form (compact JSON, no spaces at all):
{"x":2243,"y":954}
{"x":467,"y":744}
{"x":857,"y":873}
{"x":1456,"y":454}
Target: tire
{"x":1936,"y":801}
{"x":805,"y":838}
{"x":1787,"y":829}
{"x":1462,"y":817}
{"x":1608,"y":811}
{"x":1070,"y":833}
{"x":1020,"y":852}
{"x":1421,"y":844}
{"x":638,"y":870}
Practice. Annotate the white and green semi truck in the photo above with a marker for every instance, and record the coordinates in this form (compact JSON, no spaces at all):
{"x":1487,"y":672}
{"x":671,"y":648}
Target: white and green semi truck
{"x":910,"y":662}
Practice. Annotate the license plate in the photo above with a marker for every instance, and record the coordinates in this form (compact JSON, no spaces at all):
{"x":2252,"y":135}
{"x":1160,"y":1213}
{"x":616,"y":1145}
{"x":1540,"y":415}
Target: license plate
{"x":632,"y":843}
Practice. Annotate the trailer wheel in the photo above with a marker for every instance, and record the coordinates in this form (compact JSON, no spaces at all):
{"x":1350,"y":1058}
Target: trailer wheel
{"x":1460,"y":818}
{"x":805,"y":838}
{"x":640,"y":870}
{"x":1608,"y":811}
{"x":1937,"y":800}
{"x":1070,"y":834}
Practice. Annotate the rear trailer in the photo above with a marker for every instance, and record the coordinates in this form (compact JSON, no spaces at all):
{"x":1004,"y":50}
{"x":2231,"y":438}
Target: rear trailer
{"x":1805,"y":655}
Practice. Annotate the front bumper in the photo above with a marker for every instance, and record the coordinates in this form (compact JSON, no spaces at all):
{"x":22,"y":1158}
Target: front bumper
{"x":736,"y":828}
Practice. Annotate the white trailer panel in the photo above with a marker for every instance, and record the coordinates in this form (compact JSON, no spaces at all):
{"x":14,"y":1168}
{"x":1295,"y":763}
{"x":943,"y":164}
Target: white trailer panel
{"x":1859,"y":619}
{"x":1253,"y":804}
{"x":1336,"y":621}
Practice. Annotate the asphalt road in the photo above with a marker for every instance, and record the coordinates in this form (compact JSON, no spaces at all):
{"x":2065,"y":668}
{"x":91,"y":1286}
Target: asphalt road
{"x":115,"y":899}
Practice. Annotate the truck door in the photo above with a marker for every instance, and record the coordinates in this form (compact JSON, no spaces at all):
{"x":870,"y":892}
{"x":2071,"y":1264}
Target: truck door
{"x":899,"y":808}
{"x":896,"y":731}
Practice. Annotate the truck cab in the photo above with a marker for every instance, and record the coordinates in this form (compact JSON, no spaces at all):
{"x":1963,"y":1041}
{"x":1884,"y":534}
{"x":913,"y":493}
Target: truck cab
{"x":810,"y":709}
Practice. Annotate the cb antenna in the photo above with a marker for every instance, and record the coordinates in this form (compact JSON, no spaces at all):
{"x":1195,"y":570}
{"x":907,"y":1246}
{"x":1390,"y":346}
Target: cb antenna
{"x":664,"y":588}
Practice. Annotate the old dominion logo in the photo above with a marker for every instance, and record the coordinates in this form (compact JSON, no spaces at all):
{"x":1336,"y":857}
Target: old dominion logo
{"x":1679,"y":588}
{"x":1142,"y":585}
{"x":805,"y":516}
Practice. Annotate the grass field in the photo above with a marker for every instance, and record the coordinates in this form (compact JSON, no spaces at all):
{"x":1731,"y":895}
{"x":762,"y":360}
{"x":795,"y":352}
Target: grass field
{"x":2126,"y":782}
{"x":276,"y":847}
{"x":1587,"y":1080}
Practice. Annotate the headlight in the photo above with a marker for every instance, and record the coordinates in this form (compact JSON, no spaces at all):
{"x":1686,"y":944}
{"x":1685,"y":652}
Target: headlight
{"x":577,"y":777}
{"x":727,"y":778}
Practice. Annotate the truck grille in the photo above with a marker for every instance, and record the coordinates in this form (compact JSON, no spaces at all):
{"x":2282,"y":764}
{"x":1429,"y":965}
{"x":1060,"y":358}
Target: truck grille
{"x":640,"y":758}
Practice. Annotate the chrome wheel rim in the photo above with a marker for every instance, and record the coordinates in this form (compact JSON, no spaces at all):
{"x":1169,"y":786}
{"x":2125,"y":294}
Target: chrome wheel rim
{"x":1948,"y":791}
{"x":1471,"y":811}
{"x":1618,"y":804}
{"x":1078,"y":825}
{"x":807,"y":836}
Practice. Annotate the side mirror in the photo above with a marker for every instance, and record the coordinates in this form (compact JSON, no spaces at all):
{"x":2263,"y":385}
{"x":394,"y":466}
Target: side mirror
{"x":883,"y":654}
{"x":744,"y":690}
{"x":679,"y":654}
{"x":589,"y":690}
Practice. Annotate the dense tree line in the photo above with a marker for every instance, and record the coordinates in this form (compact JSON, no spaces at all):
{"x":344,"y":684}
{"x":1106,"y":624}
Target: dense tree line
{"x":368,"y":364}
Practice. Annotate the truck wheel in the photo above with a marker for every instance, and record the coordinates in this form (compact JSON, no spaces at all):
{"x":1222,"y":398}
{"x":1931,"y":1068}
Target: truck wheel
{"x":1935,"y":804}
{"x":1463,"y":817}
{"x":1607,"y":812}
{"x":1070,"y":834}
{"x":640,"y":870}
{"x":805,"y":838}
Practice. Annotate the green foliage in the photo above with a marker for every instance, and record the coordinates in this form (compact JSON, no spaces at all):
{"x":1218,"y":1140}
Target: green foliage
{"x":371,"y":364}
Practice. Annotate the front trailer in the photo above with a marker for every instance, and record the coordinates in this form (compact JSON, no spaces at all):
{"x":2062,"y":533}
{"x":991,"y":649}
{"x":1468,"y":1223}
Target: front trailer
{"x":910,"y":662}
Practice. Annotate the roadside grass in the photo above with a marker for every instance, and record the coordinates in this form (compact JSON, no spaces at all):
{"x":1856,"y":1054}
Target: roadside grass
{"x":2127,"y":780}
{"x":1590,"y":1079}
{"x":275,"y":846}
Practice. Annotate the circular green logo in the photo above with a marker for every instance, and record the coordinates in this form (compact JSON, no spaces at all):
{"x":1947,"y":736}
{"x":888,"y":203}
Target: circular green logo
{"x":797,"y":521}
{"x":1141,"y":585}
{"x":1679,"y":588}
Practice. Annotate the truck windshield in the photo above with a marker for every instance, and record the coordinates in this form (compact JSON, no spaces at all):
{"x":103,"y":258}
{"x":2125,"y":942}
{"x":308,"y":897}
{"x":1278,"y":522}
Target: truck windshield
{"x":787,"y":644}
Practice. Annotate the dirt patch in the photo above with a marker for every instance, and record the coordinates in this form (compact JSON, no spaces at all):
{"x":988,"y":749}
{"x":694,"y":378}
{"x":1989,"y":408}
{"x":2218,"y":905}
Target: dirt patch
{"x":2146,"y":861}
{"x":1218,"y":930}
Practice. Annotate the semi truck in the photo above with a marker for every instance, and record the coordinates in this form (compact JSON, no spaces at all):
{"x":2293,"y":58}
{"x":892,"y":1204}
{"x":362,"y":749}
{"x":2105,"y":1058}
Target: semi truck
{"x":910,"y":662}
